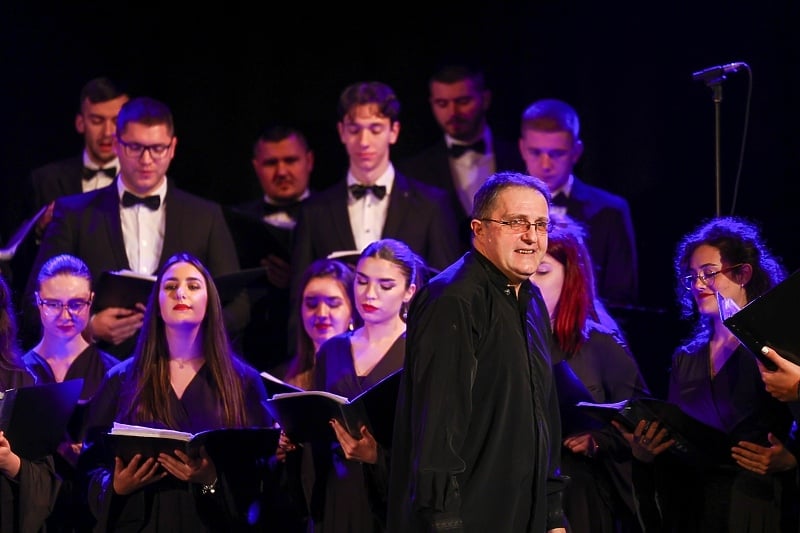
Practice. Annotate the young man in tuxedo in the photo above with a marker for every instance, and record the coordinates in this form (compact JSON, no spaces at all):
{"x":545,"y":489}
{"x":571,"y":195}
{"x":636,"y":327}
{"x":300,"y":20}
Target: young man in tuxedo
{"x":96,"y":119}
{"x":263,"y":232}
{"x":550,"y":144}
{"x":374,"y":201}
{"x":137,"y":223}
{"x":468,"y":152}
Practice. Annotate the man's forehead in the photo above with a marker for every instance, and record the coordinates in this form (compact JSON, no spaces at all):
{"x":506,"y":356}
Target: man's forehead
{"x":148,"y":131}
{"x":524,"y":200}
{"x":463,"y":86}
{"x":547,"y":139}
{"x":365,"y":113}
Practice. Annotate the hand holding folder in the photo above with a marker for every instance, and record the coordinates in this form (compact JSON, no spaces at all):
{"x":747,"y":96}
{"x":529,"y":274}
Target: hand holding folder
{"x":768,"y":320}
{"x":695,"y":441}
{"x":223,"y":445}
{"x":35,"y":418}
{"x":304,"y":415}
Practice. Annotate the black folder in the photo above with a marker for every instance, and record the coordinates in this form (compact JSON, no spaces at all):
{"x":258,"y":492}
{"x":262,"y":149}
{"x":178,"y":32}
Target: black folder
{"x":121,"y":288}
{"x":254,"y":281}
{"x":696,"y":443}
{"x":254,"y":238}
{"x":305,"y":415}
{"x":34,"y":418}
{"x":770,"y":320}
{"x":224,"y":446}
{"x":275,"y":385}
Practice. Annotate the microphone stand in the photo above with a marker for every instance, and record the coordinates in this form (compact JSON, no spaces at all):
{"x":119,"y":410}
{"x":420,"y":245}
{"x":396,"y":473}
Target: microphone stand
{"x":715,"y":84}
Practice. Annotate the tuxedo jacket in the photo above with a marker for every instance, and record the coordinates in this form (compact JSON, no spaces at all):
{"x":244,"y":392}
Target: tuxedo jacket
{"x":88,"y":226}
{"x":46,"y":183}
{"x":610,"y":239}
{"x":57,"y":179}
{"x":265,"y":343}
{"x":418,"y":214}
{"x":432,"y":166}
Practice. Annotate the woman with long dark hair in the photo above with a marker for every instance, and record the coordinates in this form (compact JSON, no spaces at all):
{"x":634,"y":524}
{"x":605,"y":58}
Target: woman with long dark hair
{"x":183,"y":376}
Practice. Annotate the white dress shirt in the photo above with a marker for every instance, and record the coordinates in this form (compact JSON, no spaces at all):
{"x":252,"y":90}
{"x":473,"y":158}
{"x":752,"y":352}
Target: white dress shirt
{"x":471,"y":170}
{"x":368,"y":214}
{"x":143,"y":231}
{"x":99,"y":180}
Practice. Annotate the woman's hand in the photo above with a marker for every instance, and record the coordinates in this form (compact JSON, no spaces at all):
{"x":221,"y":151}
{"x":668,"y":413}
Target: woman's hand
{"x":364,"y":449}
{"x":133,"y":476}
{"x":763,"y":460}
{"x":193,"y":469}
{"x":647,"y":440}
{"x":70,"y":451}
{"x":583,"y":444}
{"x":9,"y":461}
{"x":783,"y":382}
{"x":285,"y":446}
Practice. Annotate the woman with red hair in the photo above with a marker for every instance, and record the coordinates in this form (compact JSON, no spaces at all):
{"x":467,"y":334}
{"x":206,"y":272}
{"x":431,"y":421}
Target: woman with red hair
{"x":588,"y":345}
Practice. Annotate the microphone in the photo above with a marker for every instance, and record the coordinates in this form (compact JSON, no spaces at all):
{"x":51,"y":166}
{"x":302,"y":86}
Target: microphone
{"x":719,"y":71}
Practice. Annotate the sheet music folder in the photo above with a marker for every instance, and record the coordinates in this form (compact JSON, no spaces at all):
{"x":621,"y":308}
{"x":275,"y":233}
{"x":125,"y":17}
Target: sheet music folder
{"x":304,"y":415}
{"x":35,"y":418}
{"x":695,"y":442}
{"x":125,"y":441}
{"x":770,"y":320}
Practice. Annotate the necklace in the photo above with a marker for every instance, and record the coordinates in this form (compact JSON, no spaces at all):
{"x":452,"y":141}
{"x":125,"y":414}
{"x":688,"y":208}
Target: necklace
{"x":182,"y":362}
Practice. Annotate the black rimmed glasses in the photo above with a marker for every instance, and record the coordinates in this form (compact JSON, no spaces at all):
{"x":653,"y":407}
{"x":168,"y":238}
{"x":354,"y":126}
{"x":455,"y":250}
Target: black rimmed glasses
{"x":707,"y":276}
{"x":137,"y":150}
{"x":55,"y":307}
{"x":518,"y":225}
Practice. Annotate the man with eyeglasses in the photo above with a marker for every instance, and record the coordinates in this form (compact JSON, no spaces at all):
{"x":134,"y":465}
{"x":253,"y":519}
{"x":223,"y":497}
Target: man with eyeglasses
{"x":551,"y":146}
{"x":136,"y":223}
{"x":477,"y":435}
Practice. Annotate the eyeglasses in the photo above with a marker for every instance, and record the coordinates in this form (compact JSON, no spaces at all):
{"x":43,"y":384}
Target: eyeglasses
{"x":543,"y":227}
{"x":56,"y":307}
{"x":157,"y":151}
{"x":706,"y":277}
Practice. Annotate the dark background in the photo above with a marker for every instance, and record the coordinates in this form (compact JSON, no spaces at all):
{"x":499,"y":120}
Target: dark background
{"x":647,"y":127}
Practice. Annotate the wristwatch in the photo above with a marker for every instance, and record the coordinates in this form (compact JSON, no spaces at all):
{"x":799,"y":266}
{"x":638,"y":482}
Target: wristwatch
{"x":211,"y":488}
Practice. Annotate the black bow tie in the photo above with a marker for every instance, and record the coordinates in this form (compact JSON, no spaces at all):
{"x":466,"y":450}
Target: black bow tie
{"x":290,"y":209}
{"x":559,"y":199}
{"x":89,"y":173}
{"x":151,"y":202}
{"x":457,"y":150}
{"x":358,"y":191}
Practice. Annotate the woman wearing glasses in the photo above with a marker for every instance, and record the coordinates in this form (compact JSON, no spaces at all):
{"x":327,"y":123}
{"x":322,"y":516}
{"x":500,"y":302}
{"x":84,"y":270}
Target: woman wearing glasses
{"x":716,"y":380}
{"x":63,"y":296}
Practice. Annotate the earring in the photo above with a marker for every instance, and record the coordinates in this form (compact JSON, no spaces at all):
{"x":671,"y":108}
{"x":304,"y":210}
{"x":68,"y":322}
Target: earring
{"x":350,"y":326}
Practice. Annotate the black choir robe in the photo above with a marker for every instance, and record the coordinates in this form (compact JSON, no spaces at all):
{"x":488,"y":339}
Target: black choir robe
{"x":169,"y":504}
